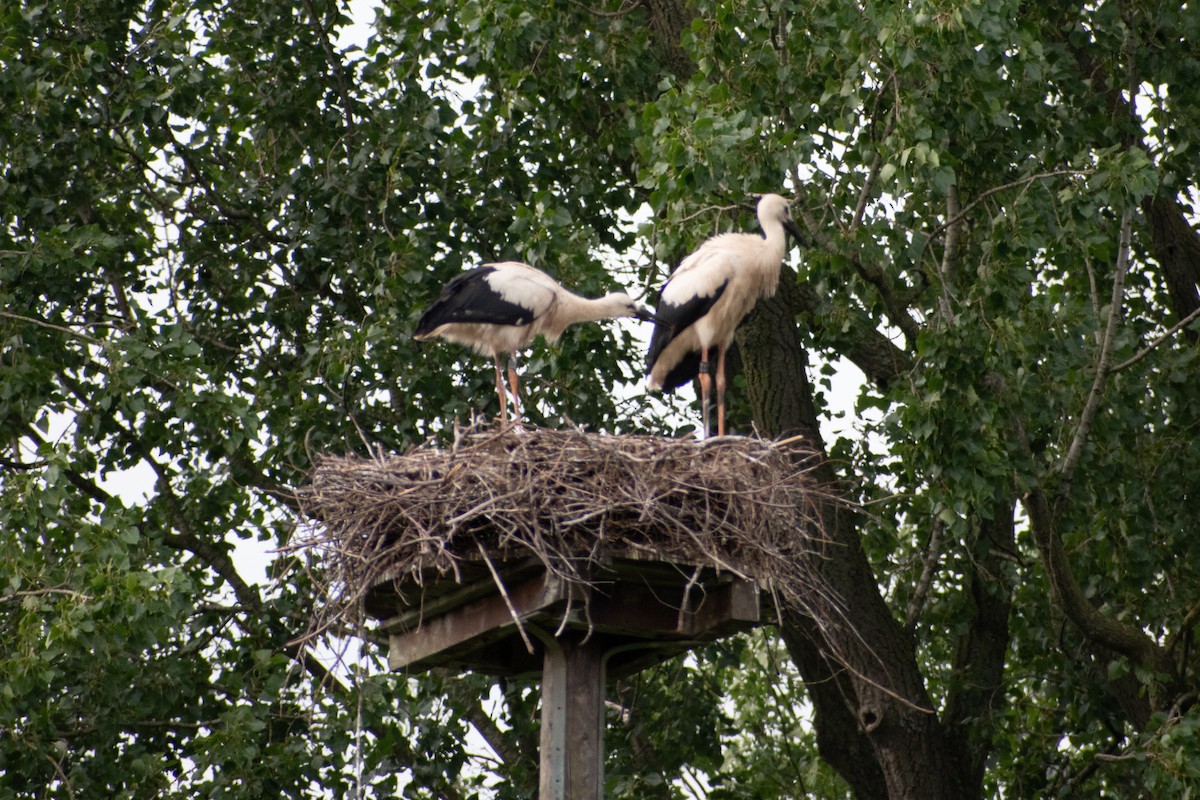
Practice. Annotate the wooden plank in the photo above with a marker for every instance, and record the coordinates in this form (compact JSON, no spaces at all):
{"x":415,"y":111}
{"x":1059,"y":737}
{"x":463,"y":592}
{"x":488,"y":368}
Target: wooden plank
{"x":632,"y":605}
{"x":484,"y":619}
{"x":655,"y":612}
{"x":439,"y":597}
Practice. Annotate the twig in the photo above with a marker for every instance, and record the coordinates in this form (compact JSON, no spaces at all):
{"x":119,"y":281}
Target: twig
{"x":1145,"y":351}
{"x":995,"y":190}
{"x":40,"y":592}
{"x":507,"y":600}
{"x":626,"y":7}
{"x":950,"y":252}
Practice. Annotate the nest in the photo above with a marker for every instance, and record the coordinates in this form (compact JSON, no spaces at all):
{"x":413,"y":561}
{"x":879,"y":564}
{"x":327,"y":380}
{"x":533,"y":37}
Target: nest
{"x":571,"y":499}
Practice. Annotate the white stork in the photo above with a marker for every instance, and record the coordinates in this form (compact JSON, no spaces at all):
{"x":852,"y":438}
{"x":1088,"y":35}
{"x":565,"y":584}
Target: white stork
{"x":708,"y":296}
{"x":500,"y":308}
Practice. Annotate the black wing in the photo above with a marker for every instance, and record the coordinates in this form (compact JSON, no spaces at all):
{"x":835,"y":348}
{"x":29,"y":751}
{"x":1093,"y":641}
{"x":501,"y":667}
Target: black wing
{"x":469,"y":298}
{"x":671,"y":321}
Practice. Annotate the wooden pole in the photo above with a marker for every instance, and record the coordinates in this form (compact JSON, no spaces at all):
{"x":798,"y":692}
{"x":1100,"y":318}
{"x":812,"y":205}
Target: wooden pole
{"x":572,"y":746}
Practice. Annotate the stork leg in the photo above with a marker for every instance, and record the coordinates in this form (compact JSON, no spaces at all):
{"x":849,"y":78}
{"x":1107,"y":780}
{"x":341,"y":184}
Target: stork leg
{"x":500,"y":390}
{"x":705,"y":378}
{"x":515,"y":383}
{"x":721,"y":390}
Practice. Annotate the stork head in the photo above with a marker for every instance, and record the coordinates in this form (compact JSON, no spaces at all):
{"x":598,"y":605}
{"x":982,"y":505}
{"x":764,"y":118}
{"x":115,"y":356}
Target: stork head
{"x":773,"y":208}
{"x":622,"y":305}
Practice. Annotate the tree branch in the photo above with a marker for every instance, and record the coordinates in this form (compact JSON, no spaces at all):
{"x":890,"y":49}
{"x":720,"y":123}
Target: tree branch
{"x":491,"y":733}
{"x":863,"y":345}
{"x":1145,"y":351}
{"x":896,"y":310}
{"x":965,"y":210}
{"x":950,"y":252}
{"x":335,"y":66}
{"x":1127,"y":640}
{"x":933,"y":553}
{"x":1103,"y":362}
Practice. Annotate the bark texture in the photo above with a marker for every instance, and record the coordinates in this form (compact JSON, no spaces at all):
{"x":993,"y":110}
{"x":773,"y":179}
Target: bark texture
{"x":1176,"y":248}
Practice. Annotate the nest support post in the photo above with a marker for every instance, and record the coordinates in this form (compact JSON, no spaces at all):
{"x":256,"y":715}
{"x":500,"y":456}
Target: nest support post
{"x":572,"y":736}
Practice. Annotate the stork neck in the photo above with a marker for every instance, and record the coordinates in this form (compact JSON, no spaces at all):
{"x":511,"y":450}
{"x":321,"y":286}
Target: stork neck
{"x":586,"y":309}
{"x":776,"y":238}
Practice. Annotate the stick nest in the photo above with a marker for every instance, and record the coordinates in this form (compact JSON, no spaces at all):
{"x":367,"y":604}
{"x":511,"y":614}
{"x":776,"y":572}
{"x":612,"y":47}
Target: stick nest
{"x":748,"y":506}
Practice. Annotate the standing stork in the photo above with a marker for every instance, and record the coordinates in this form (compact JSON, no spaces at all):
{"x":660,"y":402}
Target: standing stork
{"x":708,"y":296}
{"x":500,"y":308}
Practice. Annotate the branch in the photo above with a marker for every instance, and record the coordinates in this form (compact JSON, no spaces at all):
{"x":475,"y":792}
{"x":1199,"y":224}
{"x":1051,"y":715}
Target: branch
{"x":860,"y":208}
{"x":335,"y":66}
{"x":1189,"y":620}
{"x":47,"y":591}
{"x":897,"y":311}
{"x":1103,"y":363}
{"x":950,"y":251}
{"x":995,"y":190}
{"x":59,"y":328}
{"x":626,"y":7}
{"x":1127,"y":640}
{"x":492,"y":735}
{"x":932,"y":554}
{"x":1145,"y":351}
{"x":209,"y":553}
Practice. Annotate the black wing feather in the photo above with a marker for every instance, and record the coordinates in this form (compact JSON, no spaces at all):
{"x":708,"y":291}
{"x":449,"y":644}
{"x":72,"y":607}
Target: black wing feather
{"x":683,"y":372}
{"x":672,"y":320}
{"x":469,"y":298}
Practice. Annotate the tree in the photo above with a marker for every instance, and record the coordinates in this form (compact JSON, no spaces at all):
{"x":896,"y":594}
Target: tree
{"x":219,"y":228}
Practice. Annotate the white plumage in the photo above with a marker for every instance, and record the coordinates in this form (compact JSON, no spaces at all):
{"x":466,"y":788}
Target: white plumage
{"x":708,"y":296}
{"x":501,"y":308}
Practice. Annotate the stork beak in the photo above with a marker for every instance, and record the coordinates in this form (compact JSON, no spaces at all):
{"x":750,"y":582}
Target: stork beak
{"x":645,"y":315}
{"x":792,"y":228}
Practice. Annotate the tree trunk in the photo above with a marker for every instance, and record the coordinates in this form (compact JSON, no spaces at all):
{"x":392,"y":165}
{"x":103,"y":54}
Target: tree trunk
{"x":668,"y":19}
{"x":979,"y":661}
{"x":1176,"y":248}
{"x":857,"y":639}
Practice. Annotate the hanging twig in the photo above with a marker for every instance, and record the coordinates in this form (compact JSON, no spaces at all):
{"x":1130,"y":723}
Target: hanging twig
{"x":507,"y":600}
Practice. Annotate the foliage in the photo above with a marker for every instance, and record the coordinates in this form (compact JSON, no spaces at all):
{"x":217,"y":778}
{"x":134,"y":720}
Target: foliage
{"x":220,"y":224}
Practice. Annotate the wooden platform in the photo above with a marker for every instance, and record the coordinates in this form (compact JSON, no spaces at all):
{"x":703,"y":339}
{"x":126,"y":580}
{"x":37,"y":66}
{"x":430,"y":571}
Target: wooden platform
{"x":637,"y":612}
{"x":517,"y":618}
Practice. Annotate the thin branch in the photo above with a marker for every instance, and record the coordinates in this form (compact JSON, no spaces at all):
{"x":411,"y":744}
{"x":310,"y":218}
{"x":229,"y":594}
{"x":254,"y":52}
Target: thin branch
{"x":1189,"y":620}
{"x":335,"y":66}
{"x":1103,"y":361}
{"x":626,"y":7}
{"x":864,"y":194}
{"x":49,"y":590}
{"x":995,"y":190}
{"x":512,"y":610}
{"x":1093,"y":291}
{"x":1183,"y":323}
{"x":59,"y":328}
{"x":933,"y":553}
{"x":950,"y":251}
